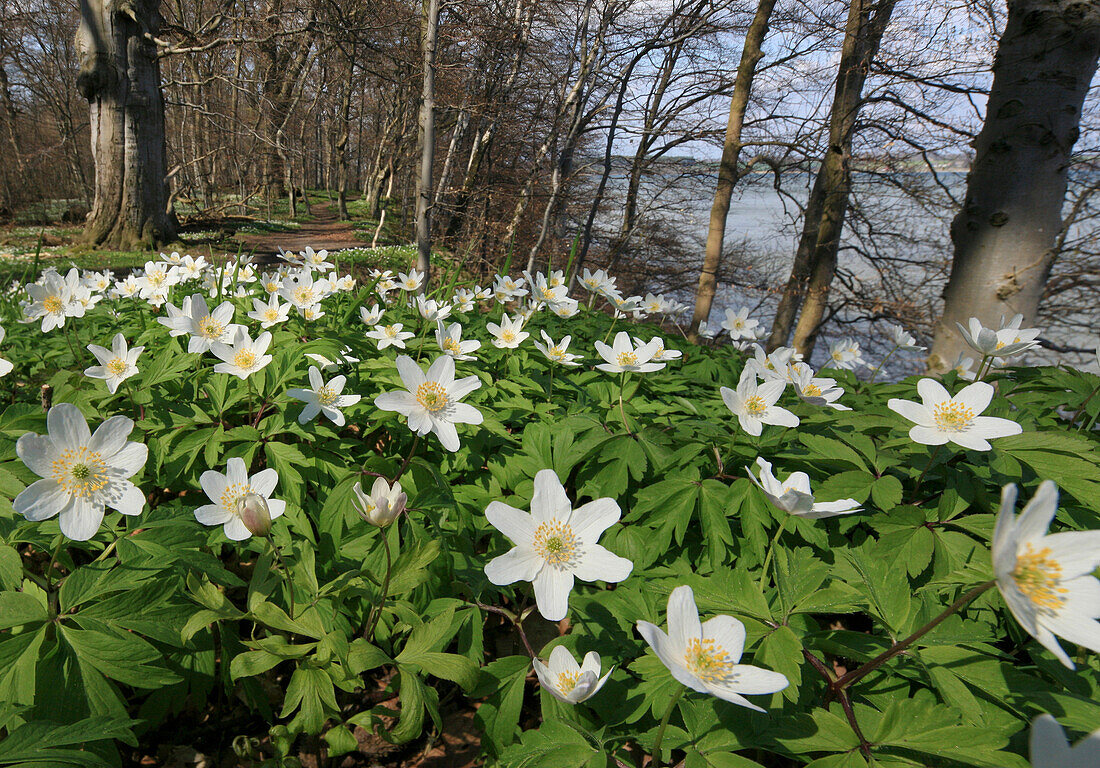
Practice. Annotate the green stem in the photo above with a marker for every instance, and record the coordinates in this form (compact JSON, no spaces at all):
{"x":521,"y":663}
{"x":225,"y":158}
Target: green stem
{"x":376,"y":614}
{"x":53,"y":559}
{"x":622,"y":411}
{"x":550,"y":390}
{"x":286,"y":573}
{"x":405,"y":463}
{"x":928,"y":466}
{"x":771,"y":550}
{"x":881,"y":366}
{"x":610,"y":329}
{"x":664,"y":724}
{"x":1084,"y":403}
{"x":850,"y":677}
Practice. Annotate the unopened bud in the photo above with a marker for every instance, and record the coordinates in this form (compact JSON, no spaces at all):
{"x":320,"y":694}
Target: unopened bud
{"x":383,"y":505}
{"x":253,"y":511}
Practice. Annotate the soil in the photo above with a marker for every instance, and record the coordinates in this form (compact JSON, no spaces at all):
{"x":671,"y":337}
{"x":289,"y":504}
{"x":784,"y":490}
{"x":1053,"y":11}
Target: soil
{"x":325,"y":232}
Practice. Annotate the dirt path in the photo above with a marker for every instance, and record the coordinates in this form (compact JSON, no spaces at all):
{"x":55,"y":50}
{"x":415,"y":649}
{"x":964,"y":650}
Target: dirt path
{"x":326,"y":232}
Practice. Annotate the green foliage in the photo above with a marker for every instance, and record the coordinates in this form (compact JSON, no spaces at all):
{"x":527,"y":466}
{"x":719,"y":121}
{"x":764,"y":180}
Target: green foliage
{"x":157,"y":615}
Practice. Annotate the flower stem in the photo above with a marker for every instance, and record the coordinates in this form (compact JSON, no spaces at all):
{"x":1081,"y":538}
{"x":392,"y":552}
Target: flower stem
{"x":850,"y":677}
{"x":622,"y":411}
{"x":928,"y":466}
{"x":405,"y":463}
{"x":771,"y":550}
{"x":53,"y":559}
{"x":881,"y":365}
{"x":664,"y":724}
{"x":376,"y":614}
{"x":550,"y":390}
{"x":286,"y":573}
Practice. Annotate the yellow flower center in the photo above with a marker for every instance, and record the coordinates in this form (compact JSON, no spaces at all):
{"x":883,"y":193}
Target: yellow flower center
{"x":755,"y":406}
{"x":952,"y":417}
{"x":118,"y":366}
{"x":1038,"y":576}
{"x":432,"y":396}
{"x":271,"y":287}
{"x":555,"y":353}
{"x":244,"y":359}
{"x":53,"y":304}
{"x":450,"y":345}
{"x":627,"y":358}
{"x":838,"y":355}
{"x":391,"y":330}
{"x":547,"y":294}
{"x":507,"y":336}
{"x":410,"y":285}
{"x":271,"y":315}
{"x":232,"y":494}
{"x":155,"y":278}
{"x":556,"y":543}
{"x":209,"y":328}
{"x":811,"y":390}
{"x":327,"y":396}
{"x":567,"y":681}
{"x":80,"y":471}
{"x":707,"y":660}
{"x":303,"y":296}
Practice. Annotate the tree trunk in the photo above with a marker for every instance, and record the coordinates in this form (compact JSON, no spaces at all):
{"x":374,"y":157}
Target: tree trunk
{"x":815,"y":259}
{"x":1005,"y":233}
{"x":424,"y":187}
{"x":120,"y":78}
{"x":751,"y":53}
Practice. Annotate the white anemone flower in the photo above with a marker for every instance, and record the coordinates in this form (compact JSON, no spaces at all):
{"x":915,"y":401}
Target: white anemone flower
{"x":226,"y":490}
{"x":755,"y":404}
{"x":450,"y":342}
{"x":566,"y":680}
{"x":964,"y":367}
{"x":115,"y":364}
{"x":813,"y":390}
{"x":1006,"y":341}
{"x":323,"y":398}
{"x":598,"y":281}
{"x":555,"y":544}
{"x":557,"y":353}
{"x":660,"y":352}
{"x":383,"y":505}
{"x":431,"y":402}
{"x":624,"y":357}
{"x":846,"y":354}
{"x":1050,"y":748}
{"x":509,"y":334}
{"x":773,"y":365}
{"x":304,"y":292}
{"x":371,"y":317}
{"x":6,"y":366}
{"x":269,"y":313}
{"x":705,"y":656}
{"x":566,"y":308}
{"x":904,"y":340}
{"x":82,"y":472}
{"x":431,"y":310}
{"x":506,"y":289}
{"x":1047,"y":578}
{"x":52,"y":299}
{"x":244,"y":356}
{"x":463,"y":300}
{"x":205,"y":327}
{"x":739,"y":325}
{"x":390,"y":335}
{"x":794,"y":496}
{"x":411,"y":281}
{"x":942,"y":418}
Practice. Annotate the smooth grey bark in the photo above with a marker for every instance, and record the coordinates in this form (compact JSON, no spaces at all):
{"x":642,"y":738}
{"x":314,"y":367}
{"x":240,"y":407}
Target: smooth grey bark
{"x":1006,"y":232}
{"x":424,"y":187}
{"x":815,"y":259}
{"x":751,"y":53}
{"x":120,"y":78}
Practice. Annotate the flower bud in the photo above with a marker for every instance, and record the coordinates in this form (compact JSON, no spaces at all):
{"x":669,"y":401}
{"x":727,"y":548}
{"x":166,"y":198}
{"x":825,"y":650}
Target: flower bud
{"x":383,"y":505}
{"x":253,"y":511}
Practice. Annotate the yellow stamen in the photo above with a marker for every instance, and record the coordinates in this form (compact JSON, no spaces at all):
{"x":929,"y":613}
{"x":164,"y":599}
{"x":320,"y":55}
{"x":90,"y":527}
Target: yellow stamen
{"x":567,"y":681}
{"x":952,"y":417}
{"x":244,"y":359}
{"x":627,"y":358}
{"x":556,"y":543}
{"x":117,"y":366}
{"x":432,"y":396}
{"x":1039,"y":577}
{"x":53,"y":304}
{"x":707,"y":660}
{"x":80,"y":471}
{"x":327,"y":396}
{"x":755,"y":406}
{"x":209,"y":328}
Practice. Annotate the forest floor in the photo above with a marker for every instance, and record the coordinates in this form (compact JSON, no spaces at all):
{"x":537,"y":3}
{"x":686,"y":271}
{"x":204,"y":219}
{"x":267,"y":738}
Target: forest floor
{"x":324,"y":231}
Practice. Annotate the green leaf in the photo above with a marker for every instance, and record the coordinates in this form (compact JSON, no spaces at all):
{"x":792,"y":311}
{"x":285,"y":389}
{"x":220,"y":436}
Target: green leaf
{"x":20,"y":608}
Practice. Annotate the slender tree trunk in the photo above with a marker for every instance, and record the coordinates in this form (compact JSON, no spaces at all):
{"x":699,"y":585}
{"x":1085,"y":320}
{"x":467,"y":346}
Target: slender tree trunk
{"x":120,"y":78}
{"x":815,"y":260}
{"x":341,"y":148}
{"x":1005,"y":233}
{"x":424,"y":186}
{"x":751,"y":53}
